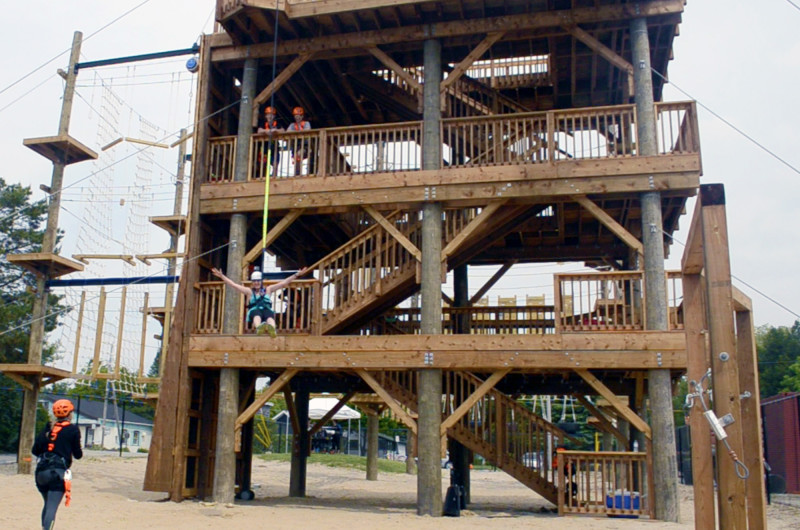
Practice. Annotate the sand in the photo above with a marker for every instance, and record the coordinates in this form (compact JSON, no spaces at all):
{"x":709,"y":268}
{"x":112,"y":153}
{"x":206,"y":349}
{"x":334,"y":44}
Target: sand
{"x":107,"y":493}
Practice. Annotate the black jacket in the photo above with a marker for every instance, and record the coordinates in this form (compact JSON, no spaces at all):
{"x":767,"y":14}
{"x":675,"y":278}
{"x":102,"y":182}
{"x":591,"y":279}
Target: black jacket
{"x":68,"y":443}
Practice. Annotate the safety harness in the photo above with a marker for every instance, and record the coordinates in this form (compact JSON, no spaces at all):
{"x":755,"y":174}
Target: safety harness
{"x":51,"y":461}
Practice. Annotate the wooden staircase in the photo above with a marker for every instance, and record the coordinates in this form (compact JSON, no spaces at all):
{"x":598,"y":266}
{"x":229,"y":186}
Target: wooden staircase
{"x":504,"y":432}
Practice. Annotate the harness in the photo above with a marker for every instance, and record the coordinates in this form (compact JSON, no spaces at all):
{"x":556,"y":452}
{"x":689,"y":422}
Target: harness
{"x":260,"y":301}
{"x":51,"y":460}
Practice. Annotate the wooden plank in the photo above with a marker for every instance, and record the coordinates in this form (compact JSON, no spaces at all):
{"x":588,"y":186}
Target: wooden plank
{"x":468,"y":230}
{"x":741,"y":302}
{"x":282,"y":78}
{"x":491,"y":281}
{"x":394,"y":67}
{"x":610,"y":223}
{"x":401,"y":414}
{"x":120,"y":329}
{"x":604,"y":421}
{"x":694,"y":313}
{"x":395,"y":233}
{"x":615,"y":402}
{"x":285,"y":222}
{"x":77,"y":350}
{"x":84,"y":258}
{"x":98,"y":336}
{"x":747,"y":356}
{"x":287,"y":396}
{"x":725,"y":369}
{"x":471,"y":57}
{"x":20,"y":380}
{"x":144,"y":334}
{"x":225,"y":50}
{"x":692,"y":260}
{"x":310,"y":8}
{"x":319,"y":424}
{"x":473,"y":398}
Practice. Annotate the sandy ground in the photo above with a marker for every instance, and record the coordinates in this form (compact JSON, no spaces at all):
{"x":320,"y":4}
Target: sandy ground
{"x":107,"y":493}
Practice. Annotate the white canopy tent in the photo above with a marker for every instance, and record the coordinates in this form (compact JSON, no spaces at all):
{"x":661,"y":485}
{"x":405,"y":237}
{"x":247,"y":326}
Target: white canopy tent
{"x":319,"y":407}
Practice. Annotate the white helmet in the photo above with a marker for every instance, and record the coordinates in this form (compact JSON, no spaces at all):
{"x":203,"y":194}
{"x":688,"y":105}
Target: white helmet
{"x":256,"y":276}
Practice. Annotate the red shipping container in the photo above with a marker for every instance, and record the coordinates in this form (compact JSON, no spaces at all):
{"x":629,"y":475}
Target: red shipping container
{"x":781,"y":416}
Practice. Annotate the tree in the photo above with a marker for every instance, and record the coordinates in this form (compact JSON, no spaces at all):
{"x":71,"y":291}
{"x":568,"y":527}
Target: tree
{"x":778,"y":359}
{"x":21,"y":231}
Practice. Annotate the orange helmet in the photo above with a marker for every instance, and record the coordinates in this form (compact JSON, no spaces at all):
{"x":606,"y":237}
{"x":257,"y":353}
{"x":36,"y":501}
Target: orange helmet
{"x":298,"y":111}
{"x":62,"y":408}
{"x":270,"y":110}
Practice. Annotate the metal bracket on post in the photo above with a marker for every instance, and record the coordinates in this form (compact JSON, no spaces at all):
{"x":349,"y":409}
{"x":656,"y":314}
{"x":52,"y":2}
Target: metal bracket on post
{"x":428,"y":358}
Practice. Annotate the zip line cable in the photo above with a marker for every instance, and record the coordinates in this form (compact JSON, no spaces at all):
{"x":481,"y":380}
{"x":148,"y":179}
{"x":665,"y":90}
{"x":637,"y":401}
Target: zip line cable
{"x":31,"y":91}
{"x":794,"y":5}
{"x":673,"y":238}
{"x":729,"y":124}
{"x":70,"y":48}
{"x":271,"y":144}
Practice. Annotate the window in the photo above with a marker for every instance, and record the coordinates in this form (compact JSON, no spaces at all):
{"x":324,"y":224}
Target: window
{"x":135,"y":438}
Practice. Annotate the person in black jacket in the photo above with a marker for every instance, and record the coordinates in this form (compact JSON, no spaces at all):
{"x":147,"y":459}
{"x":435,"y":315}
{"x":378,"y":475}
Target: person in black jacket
{"x":55,"y":447}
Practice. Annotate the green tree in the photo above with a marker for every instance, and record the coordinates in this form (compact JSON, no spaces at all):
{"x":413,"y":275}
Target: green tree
{"x":21,"y":231}
{"x":778,"y":359}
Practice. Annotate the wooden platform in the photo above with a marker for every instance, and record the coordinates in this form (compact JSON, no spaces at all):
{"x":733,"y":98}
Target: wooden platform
{"x":25,"y":374}
{"x":174,"y":224}
{"x":156,"y":312}
{"x":61,"y":149}
{"x":45,"y":264}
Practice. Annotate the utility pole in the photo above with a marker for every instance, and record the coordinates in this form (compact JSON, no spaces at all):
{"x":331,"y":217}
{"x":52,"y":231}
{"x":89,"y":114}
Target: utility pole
{"x":28,"y":424}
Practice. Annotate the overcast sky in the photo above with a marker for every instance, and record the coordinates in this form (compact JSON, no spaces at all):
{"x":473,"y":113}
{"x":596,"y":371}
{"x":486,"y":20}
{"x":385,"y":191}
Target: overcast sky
{"x":738,"y":57}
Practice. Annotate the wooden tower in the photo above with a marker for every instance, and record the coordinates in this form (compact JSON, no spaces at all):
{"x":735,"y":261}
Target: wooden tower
{"x":447,"y":135}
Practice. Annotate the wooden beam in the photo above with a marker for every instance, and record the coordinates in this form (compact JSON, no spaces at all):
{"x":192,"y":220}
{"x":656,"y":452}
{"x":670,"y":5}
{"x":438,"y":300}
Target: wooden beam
{"x":282,"y":78}
{"x":604,"y":51}
{"x":491,"y":281}
{"x":615,"y":402}
{"x":84,"y":258}
{"x":389,"y":227}
{"x":225,"y":50}
{"x":394,"y":67}
{"x":471,"y":57}
{"x":604,"y":421}
{"x":120,"y":329}
{"x":145,"y":314}
{"x":77,"y":349}
{"x":290,"y":407}
{"x":692,"y":260}
{"x":272,"y":235}
{"x":392,"y":403}
{"x":319,"y":424}
{"x":473,"y":398}
{"x":98,"y":336}
{"x":20,"y":380}
{"x":447,"y":299}
{"x":473,"y":225}
{"x":311,"y":8}
{"x":610,"y":223}
{"x":265,"y":396}
{"x":741,"y":302}
{"x":724,"y":359}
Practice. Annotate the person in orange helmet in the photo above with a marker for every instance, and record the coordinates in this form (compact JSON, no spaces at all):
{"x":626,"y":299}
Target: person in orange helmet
{"x":299,"y":147}
{"x":55,"y":448}
{"x":270,"y":127}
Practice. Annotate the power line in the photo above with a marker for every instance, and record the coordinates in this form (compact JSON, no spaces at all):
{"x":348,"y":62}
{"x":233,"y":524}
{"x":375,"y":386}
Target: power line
{"x":729,"y":124}
{"x":70,"y":48}
{"x":31,"y":91}
{"x":794,"y":5}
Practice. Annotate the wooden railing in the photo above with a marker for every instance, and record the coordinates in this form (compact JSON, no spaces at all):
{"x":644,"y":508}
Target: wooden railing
{"x":605,"y":483}
{"x":675,"y":299}
{"x":511,"y":72}
{"x":297,"y":308}
{"x":506,"y":139}
{"x":597,"y":301}
{"x":485,"y":320}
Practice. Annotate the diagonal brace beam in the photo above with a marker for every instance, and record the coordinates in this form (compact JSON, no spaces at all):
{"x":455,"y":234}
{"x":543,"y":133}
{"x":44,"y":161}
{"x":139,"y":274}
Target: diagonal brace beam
{"x":282,"y":78}
{"x":615,"y":402}
{"x":491,"y":281}
{"x":473,"y":398}
{"x":610,"y":223}
{"x":318,"y":425}
{"x":390,"y":63}
{"x":607,"y":425}
{"x":473,"y":56}
{"x":468,"y":230}
{"x":389,"y":227}
{"x":404,"y":416}
{"x":272,"y":235}
{"x":604,"y":51}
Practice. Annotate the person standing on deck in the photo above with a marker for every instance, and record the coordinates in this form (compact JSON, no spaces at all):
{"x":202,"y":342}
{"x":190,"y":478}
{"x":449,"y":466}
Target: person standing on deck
{"x":299,"y":148}
{"x":259,"y":304}
{"x":271,"y":127}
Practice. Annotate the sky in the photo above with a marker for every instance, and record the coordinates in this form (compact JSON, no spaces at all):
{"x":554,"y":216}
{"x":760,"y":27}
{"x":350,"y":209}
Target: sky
{"x":739,"y":58}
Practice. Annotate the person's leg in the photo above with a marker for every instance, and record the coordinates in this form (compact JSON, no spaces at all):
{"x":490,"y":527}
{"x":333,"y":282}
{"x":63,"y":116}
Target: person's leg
{"x":258,"y":324}
{"x":50,"y":507}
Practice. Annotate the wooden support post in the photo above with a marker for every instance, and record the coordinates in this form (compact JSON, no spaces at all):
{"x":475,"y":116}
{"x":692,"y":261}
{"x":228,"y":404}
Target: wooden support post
{"x":752,"y":436}
{"x":78,"y":333}
{"x":228,"y":410}
{"x":724,"y":359}
{"x":698,"y":363}
{"x":300,"y":447}
{"x":660,"y":386}
{"x":120,"y":329}
{"x":372,"y":443}
{"x":429,"y":478}
{"x":31,"y":396}
{"x":460,"y":456}
{"x":98,"y":334}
